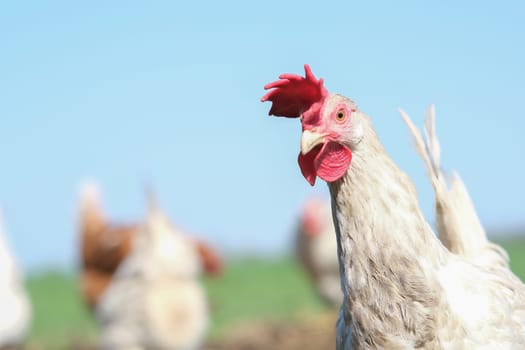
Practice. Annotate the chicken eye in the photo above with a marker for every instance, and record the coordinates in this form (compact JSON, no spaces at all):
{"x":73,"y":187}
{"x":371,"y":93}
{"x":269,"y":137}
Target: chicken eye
{"x":340,"y":116}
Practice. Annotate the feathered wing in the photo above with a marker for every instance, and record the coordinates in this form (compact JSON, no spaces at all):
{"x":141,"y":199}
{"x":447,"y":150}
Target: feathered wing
{"x":457,"y":222}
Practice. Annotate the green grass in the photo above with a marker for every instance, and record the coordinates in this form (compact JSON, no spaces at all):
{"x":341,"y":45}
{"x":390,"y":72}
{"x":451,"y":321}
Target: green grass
{"x":516,"y":250}
{"x":258,"y":289}
{"x":59,"y":315}
{"x":249,"y":290}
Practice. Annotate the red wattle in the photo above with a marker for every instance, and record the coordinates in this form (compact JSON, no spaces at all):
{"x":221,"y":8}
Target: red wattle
{"x":333,"y":161}
{"x":306,"y":163}
{"x":329,"y":161}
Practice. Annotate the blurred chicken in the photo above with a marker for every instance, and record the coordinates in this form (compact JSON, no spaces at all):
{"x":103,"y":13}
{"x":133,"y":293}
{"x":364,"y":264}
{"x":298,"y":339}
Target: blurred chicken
{"x":154,"y":300}
{"x":105,"y":244}
{"x":316,"y":247}
{"x":15,"y":309}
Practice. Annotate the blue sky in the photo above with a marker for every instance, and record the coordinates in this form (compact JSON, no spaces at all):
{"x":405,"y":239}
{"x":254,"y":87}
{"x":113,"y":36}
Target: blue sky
{"x":128,"y":92}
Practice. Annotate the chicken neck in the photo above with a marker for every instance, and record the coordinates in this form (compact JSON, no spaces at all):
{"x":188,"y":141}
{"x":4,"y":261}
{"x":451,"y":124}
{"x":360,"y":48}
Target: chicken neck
{"x":386,"y":249}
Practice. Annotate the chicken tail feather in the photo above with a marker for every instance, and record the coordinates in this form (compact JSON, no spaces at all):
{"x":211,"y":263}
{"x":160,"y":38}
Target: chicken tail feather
{"x":458,"y":224}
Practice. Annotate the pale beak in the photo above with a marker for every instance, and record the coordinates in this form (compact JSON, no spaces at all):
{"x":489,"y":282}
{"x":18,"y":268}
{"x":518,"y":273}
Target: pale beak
{"x":310,"y":139}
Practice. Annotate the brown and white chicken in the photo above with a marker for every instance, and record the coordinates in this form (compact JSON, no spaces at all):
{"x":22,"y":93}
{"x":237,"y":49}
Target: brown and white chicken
{"x":403,"y":288}
{"x":155,"y":299}
{"x":105,"y":244}
{"x":316,"y":248}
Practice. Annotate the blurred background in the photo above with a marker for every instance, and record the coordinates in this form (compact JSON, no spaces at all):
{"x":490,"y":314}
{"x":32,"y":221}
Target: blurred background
{"x":167,"y":94}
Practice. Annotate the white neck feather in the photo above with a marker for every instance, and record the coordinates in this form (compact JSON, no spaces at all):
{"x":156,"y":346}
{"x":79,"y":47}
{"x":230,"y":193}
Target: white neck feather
{"x":385,"y":247}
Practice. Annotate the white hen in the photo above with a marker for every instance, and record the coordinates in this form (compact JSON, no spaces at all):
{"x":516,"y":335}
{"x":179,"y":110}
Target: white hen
{"x":403,"y":288}
{"x":155,"y":300}
{"x":15,"y":314}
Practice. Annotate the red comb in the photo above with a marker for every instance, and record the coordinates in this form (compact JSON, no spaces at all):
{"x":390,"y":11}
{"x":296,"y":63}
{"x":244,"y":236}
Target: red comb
{"x":293,"y":94}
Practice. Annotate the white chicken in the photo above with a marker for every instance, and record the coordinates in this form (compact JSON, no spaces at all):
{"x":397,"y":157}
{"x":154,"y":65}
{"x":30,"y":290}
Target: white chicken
{"x":155,"y":300}
{"x":403,"y":288}
{"x":15,"y":308}
{"x":316,"y":248}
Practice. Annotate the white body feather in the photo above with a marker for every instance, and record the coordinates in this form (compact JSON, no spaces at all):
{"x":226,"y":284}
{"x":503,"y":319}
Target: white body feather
{"x":15,"y":309}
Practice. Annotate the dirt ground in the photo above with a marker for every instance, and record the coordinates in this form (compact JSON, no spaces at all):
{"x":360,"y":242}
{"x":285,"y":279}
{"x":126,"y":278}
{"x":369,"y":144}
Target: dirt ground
{"x":312,"y":334}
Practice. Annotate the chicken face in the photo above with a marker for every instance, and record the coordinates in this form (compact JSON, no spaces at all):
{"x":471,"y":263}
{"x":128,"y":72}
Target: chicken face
{"x":326,"y":144}
{"x":329,"y":128}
